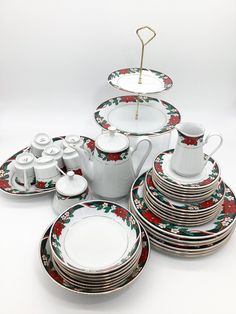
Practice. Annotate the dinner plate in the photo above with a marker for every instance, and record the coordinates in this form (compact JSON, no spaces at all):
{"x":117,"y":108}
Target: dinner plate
{"x":152,"y":81}
{"x":8,"y":182}
{"x":46,"y":260}
{"x":204,"y":180}
{"x":155,"y":116}
{"x":95,"y":237}
{"x":220,"y":224}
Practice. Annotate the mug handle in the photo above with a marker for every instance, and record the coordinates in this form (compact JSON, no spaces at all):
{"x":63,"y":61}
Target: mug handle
{"x":26,"y":181}
{"x":149,"y":148}
{"x":217,"y":147}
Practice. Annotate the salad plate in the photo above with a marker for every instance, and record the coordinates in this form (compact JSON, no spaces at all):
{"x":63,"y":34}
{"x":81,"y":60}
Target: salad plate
{"x":9,"y":183}
{"x":47,"y":263}
{"x":94,"y":221}
{"x":196,"y":207}
{"x":128,"y":80}
{"x":162,"y":170}
{"x":155,"y":116}
{"x":223,"y":221}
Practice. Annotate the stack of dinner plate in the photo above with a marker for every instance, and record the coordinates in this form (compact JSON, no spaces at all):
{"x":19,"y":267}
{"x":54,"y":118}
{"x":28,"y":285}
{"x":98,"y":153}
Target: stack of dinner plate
{"x":184,"y":216}
{"x":94,"y":247}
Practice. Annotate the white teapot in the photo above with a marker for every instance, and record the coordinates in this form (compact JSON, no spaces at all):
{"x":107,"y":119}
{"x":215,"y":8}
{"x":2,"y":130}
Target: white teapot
{"x":110,"y":170}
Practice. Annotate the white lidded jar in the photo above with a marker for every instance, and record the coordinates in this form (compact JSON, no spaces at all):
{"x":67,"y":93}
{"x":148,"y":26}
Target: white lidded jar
{"x":70,"y":190}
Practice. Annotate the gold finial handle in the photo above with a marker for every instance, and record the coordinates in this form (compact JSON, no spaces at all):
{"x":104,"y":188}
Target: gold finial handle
{"x":143,"y":45}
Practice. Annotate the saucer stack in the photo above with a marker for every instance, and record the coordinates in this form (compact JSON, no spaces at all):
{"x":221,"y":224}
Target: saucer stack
{"x":94,"y":247}
{"x":184,"y":216}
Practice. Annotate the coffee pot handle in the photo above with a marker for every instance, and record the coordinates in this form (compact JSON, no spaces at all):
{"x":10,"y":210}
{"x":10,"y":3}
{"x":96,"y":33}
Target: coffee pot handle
{"x":147,"y":152}
{"x":217,"y":147}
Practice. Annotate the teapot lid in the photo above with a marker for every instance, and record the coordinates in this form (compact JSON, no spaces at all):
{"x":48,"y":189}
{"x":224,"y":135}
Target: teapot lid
{"x":71,"y":184}
{"x":112,"y":141}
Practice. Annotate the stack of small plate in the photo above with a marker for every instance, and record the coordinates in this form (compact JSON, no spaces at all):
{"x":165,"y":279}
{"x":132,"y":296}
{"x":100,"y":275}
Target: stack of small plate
{"x":178,"y":227}
{"x":187,"y":214}
{"x":94,"y":247}
{"x":184,"y":189}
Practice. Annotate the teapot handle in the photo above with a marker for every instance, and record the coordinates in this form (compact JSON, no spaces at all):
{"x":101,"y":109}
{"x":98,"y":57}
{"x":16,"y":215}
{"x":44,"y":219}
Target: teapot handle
{"x":149,"y":148}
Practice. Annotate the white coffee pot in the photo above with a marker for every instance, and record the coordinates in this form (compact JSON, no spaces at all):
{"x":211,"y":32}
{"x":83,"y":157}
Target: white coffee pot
{"x":110,"y":170}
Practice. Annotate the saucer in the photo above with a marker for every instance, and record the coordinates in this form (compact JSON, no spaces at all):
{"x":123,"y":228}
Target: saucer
{"x":127,"y":80}
{"x":8,"y":181}
{"x":155,"y":116}
{"x":203,"y":181}
{"x":46,"y":259}
{"x":220,"y":224}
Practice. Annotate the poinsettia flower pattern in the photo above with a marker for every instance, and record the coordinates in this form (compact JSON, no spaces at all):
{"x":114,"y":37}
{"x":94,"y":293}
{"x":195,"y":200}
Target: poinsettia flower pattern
{"x":4,"y":184}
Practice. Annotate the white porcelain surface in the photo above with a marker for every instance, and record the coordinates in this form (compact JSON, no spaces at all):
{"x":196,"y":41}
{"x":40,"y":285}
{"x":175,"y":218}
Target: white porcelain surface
{"x":111,"y":141}
{"x":112,"y":178}
{"x":39,"y":143}
{"x":56,"y":152}
{"x":71,"y":158}
{"x":46,"y":167}
{"x":72,"y":139}
{"x":24,"y":167}
{"x":71,"y":184}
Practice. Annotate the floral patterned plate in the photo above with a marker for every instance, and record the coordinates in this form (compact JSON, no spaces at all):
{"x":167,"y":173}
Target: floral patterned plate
{"x":154,"y":116}
{"x":152,"y":81}
{"x":46,"y":259}
{"x":162,"y":169}
{"x":8,"y":182}
{"x":220,"y":224}
{"x":112,"y":237}
{"x":196,"y":207}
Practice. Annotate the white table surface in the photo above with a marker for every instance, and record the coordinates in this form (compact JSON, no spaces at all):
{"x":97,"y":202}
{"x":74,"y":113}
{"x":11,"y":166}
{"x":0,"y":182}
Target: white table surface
{"x":51,"y":81}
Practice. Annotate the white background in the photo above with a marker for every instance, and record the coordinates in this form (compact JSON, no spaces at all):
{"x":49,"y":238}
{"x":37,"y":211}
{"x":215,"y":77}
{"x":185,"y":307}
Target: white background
{"x":55,"y":56}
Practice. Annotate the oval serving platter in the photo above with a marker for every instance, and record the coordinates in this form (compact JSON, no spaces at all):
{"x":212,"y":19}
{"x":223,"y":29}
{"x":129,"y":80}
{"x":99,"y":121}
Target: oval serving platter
{"x":8,"y":182}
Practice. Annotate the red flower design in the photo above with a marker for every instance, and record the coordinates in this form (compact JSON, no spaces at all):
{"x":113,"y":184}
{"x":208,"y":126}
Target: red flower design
{"x":174,"y":120}
{"x":91,"y":145}
{"x":121,"y":212}
{"x":190,"y":140}
{"x":58,"y":228}
{"x":40,"y":184}
{"x":128,"y":98}
{"x":207,"y":203}
{"x":114,"y":156}
{"x":206,"y":182}
{"x":167,"y":81}
{"x":123,"y":71}
{"x":56,"y":276}
{"x":144,"y":255}
{"x":106,"y":125}
{"x":151,"y":217}
{"x":78,"y":172}
{"x":4,"y":184}
{"x":149,"y":181}
{"x":229,"y":207}
{"x":158,"y":167}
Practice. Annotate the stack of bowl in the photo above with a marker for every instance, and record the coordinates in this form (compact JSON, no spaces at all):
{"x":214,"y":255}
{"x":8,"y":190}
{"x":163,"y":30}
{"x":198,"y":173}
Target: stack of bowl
{"x":95,"y":247}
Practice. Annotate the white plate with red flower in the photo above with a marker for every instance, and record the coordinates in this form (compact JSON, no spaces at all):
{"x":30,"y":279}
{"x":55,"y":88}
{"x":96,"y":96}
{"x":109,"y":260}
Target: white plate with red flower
{"x":95,"y":237}
{"x":8,"y":181}
{"x":155,"y":116}
{"x":128,"y":80}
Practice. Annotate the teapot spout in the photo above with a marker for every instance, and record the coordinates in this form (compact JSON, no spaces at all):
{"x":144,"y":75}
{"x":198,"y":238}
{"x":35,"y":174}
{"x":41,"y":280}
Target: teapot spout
{"x":85,"y":162}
